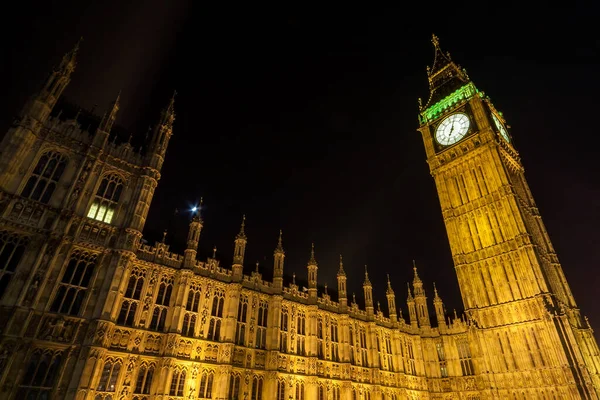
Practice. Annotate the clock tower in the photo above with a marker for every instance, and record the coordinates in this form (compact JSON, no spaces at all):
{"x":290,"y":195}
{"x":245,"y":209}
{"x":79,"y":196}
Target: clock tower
{"x":526,"y":324}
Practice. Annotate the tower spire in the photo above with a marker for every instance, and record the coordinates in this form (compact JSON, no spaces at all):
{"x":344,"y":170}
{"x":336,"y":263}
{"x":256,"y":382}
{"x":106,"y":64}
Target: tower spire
{"x":445,"y":76}
{"x":342,"y":290}
{"x":391,"y":298}
{"x":239,"y":250}
{"x":368,"y":291}
{"x":162,"y":134}
{"x":312,"y":275}
{"x":278,"y":257}
{"x":110,"y":117}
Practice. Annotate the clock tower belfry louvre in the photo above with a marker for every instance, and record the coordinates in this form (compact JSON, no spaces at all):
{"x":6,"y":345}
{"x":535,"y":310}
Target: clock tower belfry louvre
{"x":91,"y":311}
{"x":524,"y":321}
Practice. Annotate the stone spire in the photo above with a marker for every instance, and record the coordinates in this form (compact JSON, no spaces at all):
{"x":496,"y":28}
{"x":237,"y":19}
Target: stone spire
{"x":391,"y":298}
{"x":420,"y":299}
{"x":312,"y":275}
{"x":412,"y":312}
{"x":109,"y":118}
{"x":278,"y":257}
{"x":368,"y":290}
{"x":196,"y":224}
{"x":439,"y":309}
{"x":239,"y":250}
{"x":162,"y":134}
{"x":342,"y":289}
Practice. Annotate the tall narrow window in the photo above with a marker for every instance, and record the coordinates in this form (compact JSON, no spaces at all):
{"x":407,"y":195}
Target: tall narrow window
{"x":257,"y":388}
{"x":44,"y":178}
{"x":389,"y":360}
{"x":40,"y":376}
{"x":206,"y":383}
{"x":283,"y":330}
{"x":12,"y":248}
{"x":107,"y":197}
{"x":240,"y":328}
{"x":159,"y":315}
{"x":189,"y":319}
{"x":144,"y":379}
{"x":110,"y":374}
{"x":301,"y":334}
{"x":299,"y":390}
{"x":131,"y":299}
{"x":362,"y":336}
{"x":235,"y":381}
{"x":216,"y":315}
{"x":410,"y":367}
{"x":352,"y":346}
{"x":464,"y":354}
{"x":321,"y":392}
{"x":74,"y":283}
{"x":177,"y":383}
{"x":281,"y":389}
{"x":335,"y":354}
{"x":261,"y":329}
{"x":336,"y":392}
{"x":442,"y":358}
{"x":320,"y":337}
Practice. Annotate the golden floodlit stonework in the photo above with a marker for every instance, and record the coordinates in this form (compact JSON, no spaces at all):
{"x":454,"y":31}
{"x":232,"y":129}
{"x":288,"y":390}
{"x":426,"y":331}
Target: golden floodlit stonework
{"x":89,"y":310}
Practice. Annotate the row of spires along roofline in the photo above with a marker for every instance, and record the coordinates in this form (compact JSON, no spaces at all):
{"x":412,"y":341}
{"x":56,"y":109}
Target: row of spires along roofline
{"x":416,"y":293}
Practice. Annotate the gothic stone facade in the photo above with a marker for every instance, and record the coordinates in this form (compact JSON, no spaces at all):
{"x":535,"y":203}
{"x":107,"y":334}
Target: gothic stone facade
{"x":88,"y":311}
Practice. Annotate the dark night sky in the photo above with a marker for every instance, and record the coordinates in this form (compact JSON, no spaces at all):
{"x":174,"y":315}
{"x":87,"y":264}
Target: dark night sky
{"x":305,"y":119}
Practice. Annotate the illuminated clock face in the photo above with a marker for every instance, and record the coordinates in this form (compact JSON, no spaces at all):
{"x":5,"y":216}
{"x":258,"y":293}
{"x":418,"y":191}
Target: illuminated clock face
{"x":501,"y":128}
{"x":452,"y":129}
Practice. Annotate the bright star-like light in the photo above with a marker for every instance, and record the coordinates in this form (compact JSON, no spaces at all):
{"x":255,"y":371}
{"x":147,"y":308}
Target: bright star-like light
{"x":194,"y":209}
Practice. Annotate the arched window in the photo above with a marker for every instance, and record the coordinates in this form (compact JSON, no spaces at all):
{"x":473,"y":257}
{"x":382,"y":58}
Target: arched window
{"x":44,"y":178}
{"x":336,"y":392}
{"x":321,"y":392}
{"x":206,"y":383}
{"x":144,"y":379}
{"x":261,"y":329}
{"x":257,"y":387}
{"x":234,"y":386}
{"x":301,"y":333}
{"x":74,"y":283}
{"x":107,"y":197}
{"x":189,"y":325}
{"x":280,"y":390}
{"x":110,"y":374}
{"x":214,"y":326}
{"x":240,"y":329}
{"x":12,"y":248}
{"x":40,"y":376}
{"x":299,"y":390}
{"x":177,"y":383}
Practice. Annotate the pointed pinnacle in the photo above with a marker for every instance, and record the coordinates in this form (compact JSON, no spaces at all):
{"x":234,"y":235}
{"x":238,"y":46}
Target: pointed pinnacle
{"x":416,"y":279}
{"x":279,"y":248}
{"x":410,"y":297}
{"x":367,"y":281}
{"x":389,"y":288}
{"x":435,"y":40}
{"x":293,"y":278}
{"x":341,"y":270}
{"x":214,"y":252}
{"x":242,"y":234}
{"x":312,"y":260}
{"x":257,"y":266}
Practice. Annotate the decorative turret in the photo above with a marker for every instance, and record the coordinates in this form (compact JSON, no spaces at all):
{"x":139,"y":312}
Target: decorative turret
{"x":238,"y":252}
{"x":342,"y":290}
{"x":391,"y":298}
{"x":368,"y":290}
{"x":312,"y":275}
{"x":161,"y":135}
{"x":108,"y":120}
{"x":412,"y":312}
{"x":278,"y":257}
{"x":40,"y":106}
{"x":439,"y":308}
{"x":189,"y":255}
{"x":420,"y":299}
